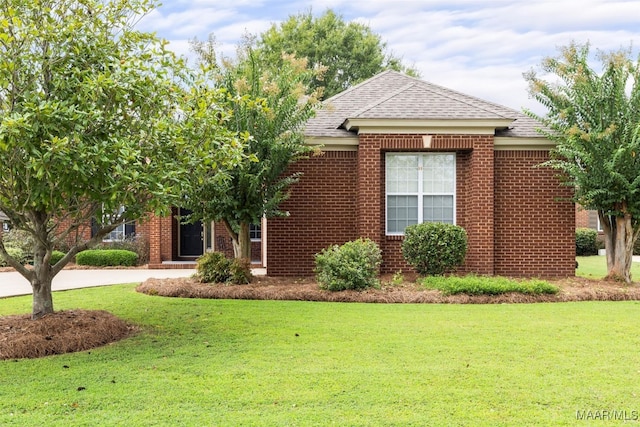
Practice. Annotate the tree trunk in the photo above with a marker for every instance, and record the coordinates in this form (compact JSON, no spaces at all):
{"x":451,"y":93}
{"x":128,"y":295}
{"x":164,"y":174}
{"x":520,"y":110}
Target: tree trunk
{"x":241,"y":240}
{"x":41,"y":282}
{"x":42,"y":298}
{"x":619,"y":238}
{"x":244,"y":242}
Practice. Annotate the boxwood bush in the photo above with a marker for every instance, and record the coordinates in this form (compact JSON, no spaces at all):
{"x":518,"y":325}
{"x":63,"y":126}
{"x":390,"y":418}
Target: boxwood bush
{"x":434,"y":248}
{"x":354,"y":265}
{"x":107,"y":258}
{"x":55,"y":257}
{"x":586,"y":242}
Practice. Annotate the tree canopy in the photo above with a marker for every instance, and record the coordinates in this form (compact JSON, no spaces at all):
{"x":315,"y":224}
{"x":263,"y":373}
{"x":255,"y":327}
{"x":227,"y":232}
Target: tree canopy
{"x":90,"y":121}
{"x":347,"y":52}
{"x":594,"y":117}
{"x":268,"y":108}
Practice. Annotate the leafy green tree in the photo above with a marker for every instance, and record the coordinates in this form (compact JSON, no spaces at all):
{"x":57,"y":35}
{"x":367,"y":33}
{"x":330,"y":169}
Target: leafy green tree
{"x":349,"y":52}
{"x":595,"y":120}
{"x":268,"y":109}
{"x":89,"y":122}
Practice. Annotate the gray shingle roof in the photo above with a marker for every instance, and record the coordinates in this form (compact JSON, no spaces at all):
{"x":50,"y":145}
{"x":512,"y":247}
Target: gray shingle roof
{"x":392,"y":95}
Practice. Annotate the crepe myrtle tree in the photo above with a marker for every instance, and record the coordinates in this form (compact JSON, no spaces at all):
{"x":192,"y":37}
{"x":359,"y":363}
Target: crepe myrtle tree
{"x":91,"y":120}
{"x":594,"y":117}
{"x":269,"y":107}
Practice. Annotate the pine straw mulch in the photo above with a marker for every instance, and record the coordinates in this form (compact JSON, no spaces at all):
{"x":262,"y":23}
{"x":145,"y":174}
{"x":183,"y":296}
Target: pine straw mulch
{"x":307,"y":289}
{"x":80,"y":330}
{"x":61,"y":332}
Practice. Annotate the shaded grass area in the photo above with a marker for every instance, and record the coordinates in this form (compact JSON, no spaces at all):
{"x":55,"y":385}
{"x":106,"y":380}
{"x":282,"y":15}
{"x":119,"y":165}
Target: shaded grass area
{"x":482,"y":285}
{"x":595,"y":267}
{"x":232,"y":362}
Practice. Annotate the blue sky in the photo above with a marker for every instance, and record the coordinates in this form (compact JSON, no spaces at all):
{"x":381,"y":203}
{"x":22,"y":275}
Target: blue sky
{"x":477,"y":47}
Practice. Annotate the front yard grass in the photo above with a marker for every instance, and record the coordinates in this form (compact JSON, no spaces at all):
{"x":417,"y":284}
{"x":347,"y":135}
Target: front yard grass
{"x":240,"y":362}
{"x":595,"y":267}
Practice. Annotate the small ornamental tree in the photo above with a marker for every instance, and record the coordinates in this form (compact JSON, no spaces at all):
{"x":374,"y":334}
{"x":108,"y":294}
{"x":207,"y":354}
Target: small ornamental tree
{"x":434,"y":248}
{"x":90,"y":121}
{"x":268,"y":109}
{"x":594,"y":118}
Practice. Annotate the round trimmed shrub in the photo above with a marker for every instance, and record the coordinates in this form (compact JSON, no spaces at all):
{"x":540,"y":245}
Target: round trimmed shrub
{"x":107,"y":258}
{"x":353,"y":265}
{"x":55,"y":257}
{"x":586,"y":242}
{"x":434,"y":248}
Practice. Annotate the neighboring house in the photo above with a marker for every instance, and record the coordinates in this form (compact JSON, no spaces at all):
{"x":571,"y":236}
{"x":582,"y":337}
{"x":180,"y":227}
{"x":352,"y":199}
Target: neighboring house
{"x":587,"y":218}
{"x":396,"y":151}
{"x":4,"y":222}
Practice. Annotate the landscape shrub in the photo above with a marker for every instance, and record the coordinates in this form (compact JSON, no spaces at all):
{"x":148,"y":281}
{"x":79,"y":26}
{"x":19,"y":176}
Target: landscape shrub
{"x":353,"y":265}
{"x":107,"y":258}
{"x":55,"y":257}
{"x":434,"y":248}
{"x":215,"y":267}
{"x":137,"y":243}
{"x":479,"y":285}
{"x":17,"y":253}
{"x":586,"y":242}
{"x":22,"y":240}
{"x":240,"y":271}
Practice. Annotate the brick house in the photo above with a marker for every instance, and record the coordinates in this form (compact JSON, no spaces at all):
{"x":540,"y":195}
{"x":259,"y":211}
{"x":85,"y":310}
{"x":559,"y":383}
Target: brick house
{"x":395,"y":151}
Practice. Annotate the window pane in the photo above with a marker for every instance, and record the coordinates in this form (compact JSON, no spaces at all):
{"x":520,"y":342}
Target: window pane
{"x":402,"y":174}
{"x":438,"y":209}
{"x":439,"y":173}
{"x":401,"y":212}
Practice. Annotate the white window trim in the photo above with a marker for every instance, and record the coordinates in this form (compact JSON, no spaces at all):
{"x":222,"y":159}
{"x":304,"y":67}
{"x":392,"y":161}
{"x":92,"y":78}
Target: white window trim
{"x":420,"y":192}
{"x":121,"y":228}
{"x":254,"y":239}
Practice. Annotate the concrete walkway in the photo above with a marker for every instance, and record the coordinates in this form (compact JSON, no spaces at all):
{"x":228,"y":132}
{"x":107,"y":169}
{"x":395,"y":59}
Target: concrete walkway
{"x":13,"y":284}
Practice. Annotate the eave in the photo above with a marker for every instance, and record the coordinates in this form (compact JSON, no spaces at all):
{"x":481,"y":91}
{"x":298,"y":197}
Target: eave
{"x":427,"y":126}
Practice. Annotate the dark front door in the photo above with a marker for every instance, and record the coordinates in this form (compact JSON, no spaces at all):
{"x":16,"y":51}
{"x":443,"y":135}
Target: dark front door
{"x":191,"y":244}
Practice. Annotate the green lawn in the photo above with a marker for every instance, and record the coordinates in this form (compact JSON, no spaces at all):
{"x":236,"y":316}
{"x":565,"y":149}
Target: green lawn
{"x":278,"y":363}
{"x":595,"y":267}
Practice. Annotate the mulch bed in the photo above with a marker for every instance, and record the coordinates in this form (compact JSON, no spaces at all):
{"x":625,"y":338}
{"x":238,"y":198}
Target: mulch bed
{"x":306,"y":289}
{"x":58,"y":333}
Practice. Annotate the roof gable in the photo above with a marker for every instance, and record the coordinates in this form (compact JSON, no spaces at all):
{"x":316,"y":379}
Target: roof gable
{"x":393,"y":98}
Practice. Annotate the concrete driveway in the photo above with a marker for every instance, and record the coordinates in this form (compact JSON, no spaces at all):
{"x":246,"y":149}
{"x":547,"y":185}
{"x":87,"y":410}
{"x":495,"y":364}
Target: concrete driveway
{"x":13,"y":284}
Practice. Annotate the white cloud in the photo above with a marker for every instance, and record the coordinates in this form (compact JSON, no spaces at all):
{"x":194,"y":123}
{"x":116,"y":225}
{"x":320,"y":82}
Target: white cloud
{"x":481,"y":48}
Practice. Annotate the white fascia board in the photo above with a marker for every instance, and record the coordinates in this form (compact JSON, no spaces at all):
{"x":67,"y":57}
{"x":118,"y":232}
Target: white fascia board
{"x":334,"y":144}
{"x":441,"y":127}
{"x":520,"y":144}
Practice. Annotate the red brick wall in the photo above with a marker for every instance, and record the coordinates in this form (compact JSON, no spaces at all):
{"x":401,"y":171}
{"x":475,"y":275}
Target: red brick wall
{"x":534,"y":231}
{"x":514,"y":224}
{"x":322,"y":210}
{"x":474,"y":207}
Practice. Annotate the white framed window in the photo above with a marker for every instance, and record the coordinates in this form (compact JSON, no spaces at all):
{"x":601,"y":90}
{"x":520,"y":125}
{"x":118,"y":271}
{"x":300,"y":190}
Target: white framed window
{"x":420,"y":187}
{"x":121,"y":232}
{"x":255,"y":232}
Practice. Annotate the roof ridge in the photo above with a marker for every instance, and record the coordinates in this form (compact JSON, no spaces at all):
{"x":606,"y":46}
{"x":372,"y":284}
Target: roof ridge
{"x":384,"y":99}
{"x":446,"y":92}
{"x":367,"y":81}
